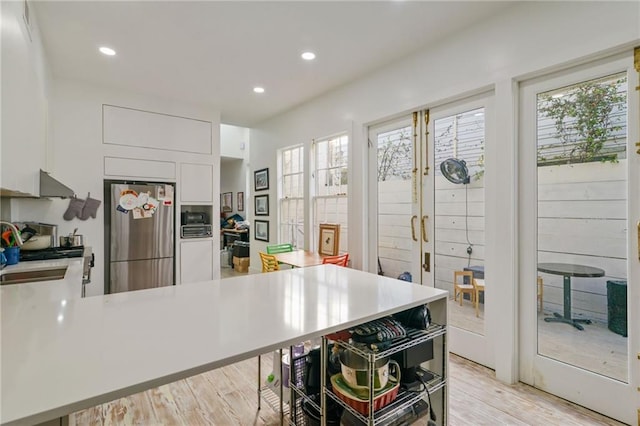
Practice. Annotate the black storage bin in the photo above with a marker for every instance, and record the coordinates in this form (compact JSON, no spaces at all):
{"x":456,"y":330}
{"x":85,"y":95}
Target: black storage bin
{"x":241,"y":249}
{"x":617,"y":306}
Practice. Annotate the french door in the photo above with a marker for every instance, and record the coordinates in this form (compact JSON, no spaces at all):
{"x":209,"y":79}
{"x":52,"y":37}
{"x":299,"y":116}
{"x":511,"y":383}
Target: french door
{"x":426,"y":226}
{"x":578,"y":259}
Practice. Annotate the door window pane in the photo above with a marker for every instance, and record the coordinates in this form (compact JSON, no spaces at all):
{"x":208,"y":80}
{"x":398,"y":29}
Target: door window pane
{"x":395,"y":162}
{"x":459,"y":216}
{"x":582,"y":225}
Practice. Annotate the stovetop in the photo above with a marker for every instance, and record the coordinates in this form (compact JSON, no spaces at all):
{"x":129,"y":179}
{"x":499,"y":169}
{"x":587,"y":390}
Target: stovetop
{"x":52,"y":253}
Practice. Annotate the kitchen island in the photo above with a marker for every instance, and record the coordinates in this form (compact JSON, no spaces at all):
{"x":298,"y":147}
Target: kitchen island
{"x":58,"y":358}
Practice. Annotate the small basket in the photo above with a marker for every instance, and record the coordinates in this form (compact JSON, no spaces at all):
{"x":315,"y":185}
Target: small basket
{"x":386,"y":397}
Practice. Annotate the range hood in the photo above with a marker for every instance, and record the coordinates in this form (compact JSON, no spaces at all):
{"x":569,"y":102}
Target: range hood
{"x":50,"y":187}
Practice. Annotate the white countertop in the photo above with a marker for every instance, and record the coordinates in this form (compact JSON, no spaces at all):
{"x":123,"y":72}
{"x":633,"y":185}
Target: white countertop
{"x":57,"y":359}
{"x":70,"y":287}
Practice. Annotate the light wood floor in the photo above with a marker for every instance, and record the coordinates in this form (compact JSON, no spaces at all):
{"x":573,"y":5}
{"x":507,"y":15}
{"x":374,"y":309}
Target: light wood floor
{"x":596,"y":348}
{"x":227,"y":396}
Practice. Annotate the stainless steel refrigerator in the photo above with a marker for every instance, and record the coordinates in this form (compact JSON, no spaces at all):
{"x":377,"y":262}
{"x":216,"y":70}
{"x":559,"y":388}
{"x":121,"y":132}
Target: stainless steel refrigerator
{"x":139,"y":244}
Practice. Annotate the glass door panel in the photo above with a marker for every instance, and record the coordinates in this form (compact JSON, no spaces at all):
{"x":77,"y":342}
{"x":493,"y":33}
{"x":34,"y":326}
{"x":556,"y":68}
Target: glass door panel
{"x":459,"y":213}
{"x":397,"y":224}
{"x":582,"y":224}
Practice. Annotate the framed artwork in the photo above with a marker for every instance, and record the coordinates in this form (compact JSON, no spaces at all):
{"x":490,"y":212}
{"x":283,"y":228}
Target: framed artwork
{"x":261,"y":228}
{"x":240,"y":201}
{"x":262,"y":205}
{"x":226,"y":202}
{"x":329,"y":240}
{"x":261,"y":179}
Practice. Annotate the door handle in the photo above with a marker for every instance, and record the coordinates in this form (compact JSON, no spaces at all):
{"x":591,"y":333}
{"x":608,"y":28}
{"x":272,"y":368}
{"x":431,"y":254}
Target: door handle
{"x":413,"y":228}
{"x":425,"y":238}
{"x":427,"y":262}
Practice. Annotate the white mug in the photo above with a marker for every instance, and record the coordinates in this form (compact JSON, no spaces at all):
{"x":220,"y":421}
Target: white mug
{"x":361,"y":381}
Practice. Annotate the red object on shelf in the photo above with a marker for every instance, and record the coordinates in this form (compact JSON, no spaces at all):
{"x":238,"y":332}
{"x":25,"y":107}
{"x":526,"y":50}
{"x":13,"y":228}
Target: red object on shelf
{"x":362,"y":405}
{"x":343,"y":335}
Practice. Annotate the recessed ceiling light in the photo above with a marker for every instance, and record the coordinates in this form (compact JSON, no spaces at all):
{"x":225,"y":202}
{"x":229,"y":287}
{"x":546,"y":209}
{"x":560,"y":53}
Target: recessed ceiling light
{"x":258,"y":89}
{"x":308,"y":56}
{"x":107,"y":51}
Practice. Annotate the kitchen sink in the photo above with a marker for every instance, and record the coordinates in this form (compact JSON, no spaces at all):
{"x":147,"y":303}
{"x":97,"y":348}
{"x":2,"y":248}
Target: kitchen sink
{"x":20,"y":277}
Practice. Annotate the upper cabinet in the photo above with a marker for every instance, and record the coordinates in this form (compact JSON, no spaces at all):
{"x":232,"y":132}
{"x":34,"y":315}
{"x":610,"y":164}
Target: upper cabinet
{"x":24,"y":102}
{"x":145,"y":129}
{"x":196,"y":183}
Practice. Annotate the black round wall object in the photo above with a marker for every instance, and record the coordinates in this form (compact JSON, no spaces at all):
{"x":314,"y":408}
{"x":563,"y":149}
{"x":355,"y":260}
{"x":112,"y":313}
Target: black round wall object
{"x":455,"y":170}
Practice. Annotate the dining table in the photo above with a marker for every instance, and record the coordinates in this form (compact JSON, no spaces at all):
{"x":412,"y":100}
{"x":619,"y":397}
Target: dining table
{"x":300,"y":258}
{"x":568,"y":270}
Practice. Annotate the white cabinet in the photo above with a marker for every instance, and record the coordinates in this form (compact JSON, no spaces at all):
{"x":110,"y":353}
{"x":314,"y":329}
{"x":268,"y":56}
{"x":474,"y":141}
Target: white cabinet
{"x":137,"y":128}
{"x":24,"y":104}
{"x":196,"y":261}
{"x":196,"y":183}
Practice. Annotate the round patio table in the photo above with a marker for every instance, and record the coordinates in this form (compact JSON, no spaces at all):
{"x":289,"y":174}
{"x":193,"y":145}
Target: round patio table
{"x":568,"y":270}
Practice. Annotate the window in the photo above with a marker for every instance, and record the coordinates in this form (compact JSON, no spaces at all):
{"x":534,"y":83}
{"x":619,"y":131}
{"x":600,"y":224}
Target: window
{"x":331,"y":183}
{"x":291,"y":196}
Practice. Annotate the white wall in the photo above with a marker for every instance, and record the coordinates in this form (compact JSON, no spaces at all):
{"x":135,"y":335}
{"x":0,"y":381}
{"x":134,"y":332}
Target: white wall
{"x":234,"y":166}
{"x":234,"y":141}
{"x":76,"y":116}
{"x":525,"y":40}
{"x":25,"y":92}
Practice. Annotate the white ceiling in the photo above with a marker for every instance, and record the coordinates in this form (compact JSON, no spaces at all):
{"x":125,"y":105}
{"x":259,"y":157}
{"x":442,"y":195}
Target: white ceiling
{"x":214,"y":53}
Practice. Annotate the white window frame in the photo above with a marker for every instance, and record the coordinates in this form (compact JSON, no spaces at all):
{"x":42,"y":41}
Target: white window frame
{"x":282,"y":199}
{"x":316,"y":198}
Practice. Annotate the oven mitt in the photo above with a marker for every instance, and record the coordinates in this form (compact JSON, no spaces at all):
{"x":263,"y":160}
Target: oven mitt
{"x":90,"y":208}
{"x":74,"y":209}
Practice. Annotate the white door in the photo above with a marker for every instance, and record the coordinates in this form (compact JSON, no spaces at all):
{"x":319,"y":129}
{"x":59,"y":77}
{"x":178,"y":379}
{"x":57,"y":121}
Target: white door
{"x":427,"y":227}
{"x":578,"y":208}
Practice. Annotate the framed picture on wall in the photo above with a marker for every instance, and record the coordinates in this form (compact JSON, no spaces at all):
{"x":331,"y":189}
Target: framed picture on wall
{"x":329,"y":239}
{"x":261,"y":228}
{"x":261,"y":179}
{"x":262,"y":205}
{"x":240,"y":201}
{"x":226,"y":202}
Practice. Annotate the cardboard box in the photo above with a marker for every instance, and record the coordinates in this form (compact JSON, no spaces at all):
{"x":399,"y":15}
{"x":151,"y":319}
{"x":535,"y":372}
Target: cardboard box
{"x":241,"y":264}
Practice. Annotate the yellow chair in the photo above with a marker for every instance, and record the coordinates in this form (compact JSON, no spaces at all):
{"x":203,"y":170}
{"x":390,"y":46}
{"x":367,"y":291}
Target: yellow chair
{"x":463,"y":287}
{"x":269,"y":262}
{"x":478,"y":286}
{"x":540,"y":292}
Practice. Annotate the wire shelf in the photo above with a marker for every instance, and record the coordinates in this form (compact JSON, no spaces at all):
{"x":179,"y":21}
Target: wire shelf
{"x":404,"y":400}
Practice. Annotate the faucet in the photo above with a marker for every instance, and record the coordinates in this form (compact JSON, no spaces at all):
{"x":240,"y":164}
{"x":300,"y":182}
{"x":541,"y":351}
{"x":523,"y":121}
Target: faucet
{"x":14,"y":231}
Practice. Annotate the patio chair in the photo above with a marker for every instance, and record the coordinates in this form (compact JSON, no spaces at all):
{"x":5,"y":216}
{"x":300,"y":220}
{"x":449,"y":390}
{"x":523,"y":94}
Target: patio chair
{"x":466,"y":286}
{"x":540,"y":292}
{"x":341,"y":259}
{"x":478,"y":286}
{"x":269,"y":262}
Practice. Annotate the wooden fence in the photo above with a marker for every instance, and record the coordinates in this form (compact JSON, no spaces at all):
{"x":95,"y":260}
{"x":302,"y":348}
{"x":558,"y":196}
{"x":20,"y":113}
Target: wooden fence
{"x":581,"y":219}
